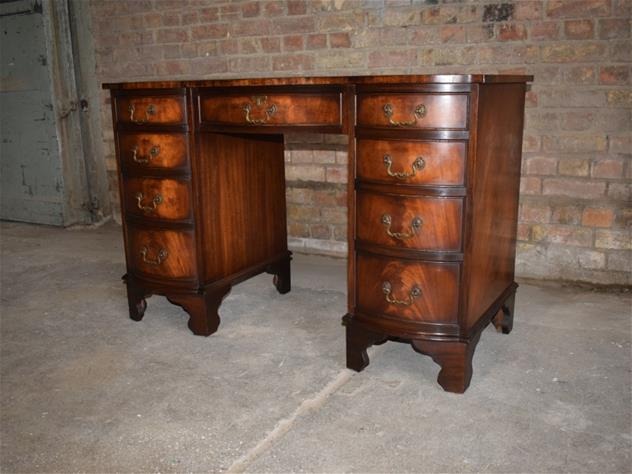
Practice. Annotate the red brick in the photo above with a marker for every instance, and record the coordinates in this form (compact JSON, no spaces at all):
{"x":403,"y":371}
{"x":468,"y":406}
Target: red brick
{"x":535,"y":213}
{"x":336,"y":174}
{"x":293,"y":62}
{"x":529,"y":185}
{"x":340,"y":232}
{"x":170,"y":19}
{"x":579,"y":29}
{"x":292,"y":43}
{"x":474,"y":33}
{"x":541,"y":165}
{"x":579,"y":75}
{"x":567,"y":235}
{"x":614,"y":75}
{"x":318,"y":41}
{"x":190,"y":18}
{"x":249,"y":63}
{"x":531,"y":143}
{"x":545,"y":30}
{"x":614,"y":28}
{"x":209,"y":15}
{"x":527,"y":10}
{"x":251,"y":9}
{"x":452,"y":34}
{"x":209,"y":31}
{"x":568,"y":215}
{"x":575,"y":143}
{"x":511,"y":32}
{"x":607,"y":169}
{"x":613,"y":239}
{"x":250,"y":27}
{"x":171,"y":36}
{"x":273,"y":8}
{"x":270,"y":45}
{"x":304,"y":24}
{"x":524,"y":232}
{"x":575,"y":188}
{"x":339,"y":40}
{"x":620,"y":51}
{"x":578,"y":120}
{"x":390,"y":59}
{"x":296,"y":229}
{"x":568,"y":53}
{"x":320,"y":231}
{"x":577,"y":8}
{"x":573,"y":167}
{"x":597,"y":217}
{"x":619,"y":98}
{"x":296,"y":7}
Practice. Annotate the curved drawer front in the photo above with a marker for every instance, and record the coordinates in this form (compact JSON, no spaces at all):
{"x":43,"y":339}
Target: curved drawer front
{"x":162,"y":253}
{"x":420,"y":223}
{"x":150,"y":110}
{"x":167,"y":199}
{"x":153,"y":150}
{"x":418,"y":291}
{"x":272,"y":109}
{"x":413,"y":111}
{"x":411,"y":162}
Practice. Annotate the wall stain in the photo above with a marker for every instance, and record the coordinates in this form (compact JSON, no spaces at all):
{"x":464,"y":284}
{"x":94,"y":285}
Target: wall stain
{"x":498,"y":12}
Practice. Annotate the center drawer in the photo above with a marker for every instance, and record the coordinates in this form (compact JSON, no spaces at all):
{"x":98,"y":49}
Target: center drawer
{"x":413,"y":110}
{"x":410,"y":222}
{"x":305,"y":109}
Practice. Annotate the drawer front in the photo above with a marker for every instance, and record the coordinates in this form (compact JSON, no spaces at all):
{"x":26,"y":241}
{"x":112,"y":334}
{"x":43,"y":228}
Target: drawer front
{"x":162,"y":253}
{"x":420,"y":223}
{"x":272,"y":109}
{"x":153,"y":150}
{"x":411,"y":162}
{"x":413,"y":110}
{"x":151,"y":110}
{"x":167,"y":199}
{"x":418,"y":291}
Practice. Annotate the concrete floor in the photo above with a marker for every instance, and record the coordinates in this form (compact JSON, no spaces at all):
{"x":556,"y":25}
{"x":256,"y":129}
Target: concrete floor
{"x":84,"y":388}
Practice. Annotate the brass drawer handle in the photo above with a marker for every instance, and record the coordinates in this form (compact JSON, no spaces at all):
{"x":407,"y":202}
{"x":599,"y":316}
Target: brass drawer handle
{"x":149,"y":111}
{"x":415,"y":292}
{"x":260,"y":101}
{"x":162,"y":255}
{"x":418,"y":113}
{"x":417,"y":165}
{"x":415,"y":225}
{"x":154,"y":151}
{"x":154,"y":202}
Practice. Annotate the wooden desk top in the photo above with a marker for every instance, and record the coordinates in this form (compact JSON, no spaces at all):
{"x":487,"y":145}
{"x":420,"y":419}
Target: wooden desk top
{"x":332,"y":80}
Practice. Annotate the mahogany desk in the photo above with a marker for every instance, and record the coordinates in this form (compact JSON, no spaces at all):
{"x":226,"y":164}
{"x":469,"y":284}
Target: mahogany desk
{"x":434,"y":168}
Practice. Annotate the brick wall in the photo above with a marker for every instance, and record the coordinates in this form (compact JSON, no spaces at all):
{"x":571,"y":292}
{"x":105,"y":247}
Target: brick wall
{"x":574,"y":220}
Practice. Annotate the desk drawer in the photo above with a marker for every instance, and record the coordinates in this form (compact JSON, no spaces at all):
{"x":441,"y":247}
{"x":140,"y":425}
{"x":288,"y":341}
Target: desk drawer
{"x":150,"y":110}
{"x":153,"y":150}
{"x":411,"y":162}
{"x":272,"y":109}
{"x":161,"y":253}
{"x":167,"y":199}
{"x":413,"y":111}
{"x":405,"y":289}
{"x":410,"y":222}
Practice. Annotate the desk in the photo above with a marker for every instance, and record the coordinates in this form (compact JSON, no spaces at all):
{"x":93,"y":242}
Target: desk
{"x":434,"y":169}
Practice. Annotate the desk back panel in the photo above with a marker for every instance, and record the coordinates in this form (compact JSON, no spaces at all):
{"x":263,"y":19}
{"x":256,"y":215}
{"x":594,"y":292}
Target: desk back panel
{"x":241,"y":189}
